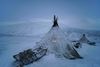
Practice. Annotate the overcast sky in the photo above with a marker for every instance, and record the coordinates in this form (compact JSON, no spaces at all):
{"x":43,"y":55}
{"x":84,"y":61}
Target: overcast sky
{"x":83,"y":14}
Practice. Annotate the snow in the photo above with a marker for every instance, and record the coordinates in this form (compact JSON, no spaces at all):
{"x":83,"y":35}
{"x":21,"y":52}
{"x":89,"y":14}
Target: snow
{"x":11,"y":45}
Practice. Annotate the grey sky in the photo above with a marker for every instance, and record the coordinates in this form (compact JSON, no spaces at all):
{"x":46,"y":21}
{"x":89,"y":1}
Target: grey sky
{"x":74,"y":13}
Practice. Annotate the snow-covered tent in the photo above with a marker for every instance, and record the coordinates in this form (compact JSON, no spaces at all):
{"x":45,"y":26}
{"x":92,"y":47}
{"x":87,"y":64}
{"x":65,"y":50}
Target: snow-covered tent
{"x":84,"y":39}
{"x":56,"y":42}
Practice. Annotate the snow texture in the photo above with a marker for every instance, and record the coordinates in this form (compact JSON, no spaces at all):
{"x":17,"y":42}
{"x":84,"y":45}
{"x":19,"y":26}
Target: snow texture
{"x":11,"y":45}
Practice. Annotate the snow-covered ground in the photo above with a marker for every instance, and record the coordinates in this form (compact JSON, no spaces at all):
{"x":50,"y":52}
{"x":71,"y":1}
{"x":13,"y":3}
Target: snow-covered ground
{"x":18,"y":37}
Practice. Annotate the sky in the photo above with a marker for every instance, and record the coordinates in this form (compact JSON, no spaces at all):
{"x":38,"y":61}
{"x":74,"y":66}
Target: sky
{"x":73,"y":13}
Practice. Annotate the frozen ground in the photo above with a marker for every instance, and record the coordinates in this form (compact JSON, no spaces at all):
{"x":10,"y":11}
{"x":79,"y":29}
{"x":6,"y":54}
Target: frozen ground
{"x":24,"y":36}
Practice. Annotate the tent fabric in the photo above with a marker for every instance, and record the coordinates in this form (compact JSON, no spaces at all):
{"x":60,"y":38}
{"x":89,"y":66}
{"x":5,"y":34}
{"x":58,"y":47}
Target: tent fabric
{"x":56,"y":42}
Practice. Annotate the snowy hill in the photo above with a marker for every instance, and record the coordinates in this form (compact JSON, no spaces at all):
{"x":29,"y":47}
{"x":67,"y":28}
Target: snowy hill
{"x":10,"y":45}
{"x":25,"y":28}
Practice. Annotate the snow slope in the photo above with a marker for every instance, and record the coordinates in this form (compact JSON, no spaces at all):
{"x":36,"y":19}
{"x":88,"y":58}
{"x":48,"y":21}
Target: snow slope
{"x":10,"y":45}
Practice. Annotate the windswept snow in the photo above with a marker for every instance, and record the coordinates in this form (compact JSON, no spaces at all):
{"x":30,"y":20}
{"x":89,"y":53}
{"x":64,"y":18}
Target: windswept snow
{"x":11,"y":45}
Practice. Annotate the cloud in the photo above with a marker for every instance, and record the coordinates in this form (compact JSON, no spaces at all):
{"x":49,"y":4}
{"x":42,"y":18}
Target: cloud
{"x":39,"y":20}
{"x":82,"y":23}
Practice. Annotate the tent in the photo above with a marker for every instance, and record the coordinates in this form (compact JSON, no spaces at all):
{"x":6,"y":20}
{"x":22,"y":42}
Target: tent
{"x":57,"y":43}
{"x":84,"y":39}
